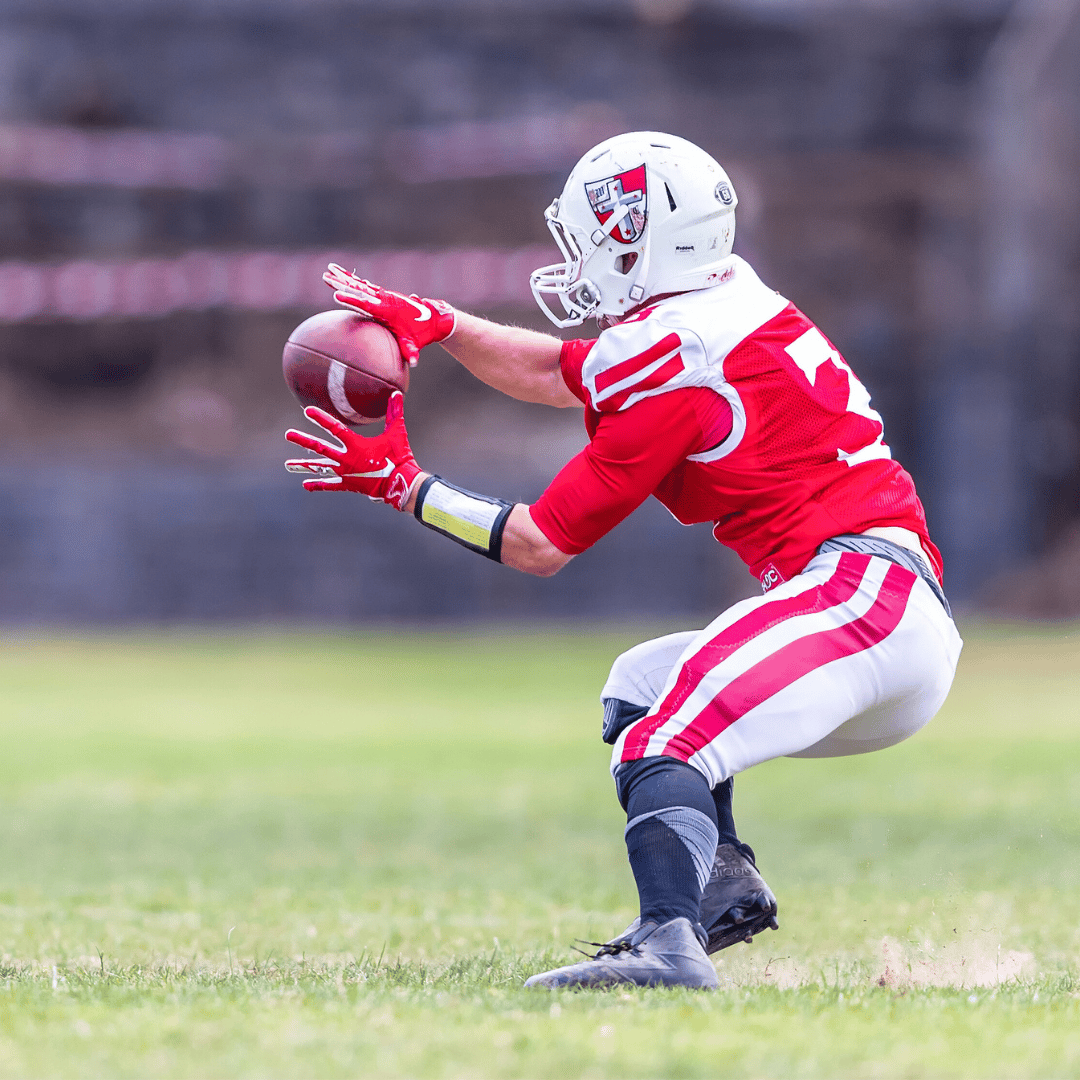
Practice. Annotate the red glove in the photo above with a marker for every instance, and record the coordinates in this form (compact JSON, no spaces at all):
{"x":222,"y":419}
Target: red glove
{"x":414,"y":321}
{"x":382,"y":467}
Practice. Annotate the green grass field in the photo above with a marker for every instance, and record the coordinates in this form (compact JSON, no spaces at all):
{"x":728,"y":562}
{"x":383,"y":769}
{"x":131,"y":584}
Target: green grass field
{"x":340,"y":855}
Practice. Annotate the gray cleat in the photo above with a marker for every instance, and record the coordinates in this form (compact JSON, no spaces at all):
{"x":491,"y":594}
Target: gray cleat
{"x":736,"y":903}
{"x":656,"y":954}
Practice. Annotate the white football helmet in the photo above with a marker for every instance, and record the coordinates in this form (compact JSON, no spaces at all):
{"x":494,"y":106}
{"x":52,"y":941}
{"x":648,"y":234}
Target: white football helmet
{"x":641,"y":215}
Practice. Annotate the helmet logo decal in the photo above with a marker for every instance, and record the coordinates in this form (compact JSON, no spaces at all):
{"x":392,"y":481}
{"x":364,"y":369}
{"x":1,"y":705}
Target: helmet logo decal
{"x":723,"y":193}
{"x":609,"y":195}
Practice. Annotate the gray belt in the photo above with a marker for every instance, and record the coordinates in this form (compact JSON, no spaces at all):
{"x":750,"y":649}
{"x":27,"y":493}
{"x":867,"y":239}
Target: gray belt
{"x":886,"y":549}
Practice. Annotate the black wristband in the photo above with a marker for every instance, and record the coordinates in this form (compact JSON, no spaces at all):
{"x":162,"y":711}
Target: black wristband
{"x":473,"y":521}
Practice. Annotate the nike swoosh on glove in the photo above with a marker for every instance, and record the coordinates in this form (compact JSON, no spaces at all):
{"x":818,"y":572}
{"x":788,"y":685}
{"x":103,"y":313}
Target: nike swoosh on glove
{"x":382,"y":467}
{"x":414,"y":320}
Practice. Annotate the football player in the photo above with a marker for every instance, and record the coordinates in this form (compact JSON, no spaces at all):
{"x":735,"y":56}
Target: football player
{"x":716,"y":395}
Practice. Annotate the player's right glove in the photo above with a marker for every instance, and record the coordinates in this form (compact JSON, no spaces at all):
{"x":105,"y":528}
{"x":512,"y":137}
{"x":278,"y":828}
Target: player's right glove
{"x":413,"y":320}
{"x":382,"y":467}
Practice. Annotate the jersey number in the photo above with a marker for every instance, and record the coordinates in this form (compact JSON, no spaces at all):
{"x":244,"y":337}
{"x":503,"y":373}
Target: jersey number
{"x":810,"y":351}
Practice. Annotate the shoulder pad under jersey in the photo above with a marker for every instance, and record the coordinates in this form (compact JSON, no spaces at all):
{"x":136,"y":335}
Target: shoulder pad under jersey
{"x":638,"y":359}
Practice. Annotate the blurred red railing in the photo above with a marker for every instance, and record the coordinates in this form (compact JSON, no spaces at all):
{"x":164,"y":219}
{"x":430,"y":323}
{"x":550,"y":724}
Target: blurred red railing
{"x":155,"y":159}
{"x":131,"y":159}
{"x":256,"y":281}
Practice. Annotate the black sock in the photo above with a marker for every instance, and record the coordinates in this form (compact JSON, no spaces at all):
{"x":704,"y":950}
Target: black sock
{"x":670,"y":836}
{"x":664,"y":871}
{"x":725,"y":822}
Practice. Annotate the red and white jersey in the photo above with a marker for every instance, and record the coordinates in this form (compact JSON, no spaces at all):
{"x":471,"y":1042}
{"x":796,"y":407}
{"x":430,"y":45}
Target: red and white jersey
{"x":802,"y":457}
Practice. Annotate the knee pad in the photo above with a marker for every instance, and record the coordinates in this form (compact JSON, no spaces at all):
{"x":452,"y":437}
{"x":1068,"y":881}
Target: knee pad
{"x":619,"y":715}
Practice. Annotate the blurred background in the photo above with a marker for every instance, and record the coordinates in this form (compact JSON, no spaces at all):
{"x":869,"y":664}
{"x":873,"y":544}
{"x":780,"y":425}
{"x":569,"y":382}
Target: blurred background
{"x":175,"y":174}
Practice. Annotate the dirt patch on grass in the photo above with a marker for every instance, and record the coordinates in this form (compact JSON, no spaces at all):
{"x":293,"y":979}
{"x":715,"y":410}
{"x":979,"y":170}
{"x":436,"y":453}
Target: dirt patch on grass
{"x":956,"y":964}
{"x":964,"y":964}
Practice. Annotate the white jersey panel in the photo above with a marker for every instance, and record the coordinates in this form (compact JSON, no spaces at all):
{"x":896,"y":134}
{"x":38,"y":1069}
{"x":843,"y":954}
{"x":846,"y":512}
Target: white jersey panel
{"x":682,"y":342}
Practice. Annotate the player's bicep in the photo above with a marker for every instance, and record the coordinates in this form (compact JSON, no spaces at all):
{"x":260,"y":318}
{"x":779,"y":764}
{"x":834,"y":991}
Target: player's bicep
{"x":631,"y":452}
{"x":580,"y":505}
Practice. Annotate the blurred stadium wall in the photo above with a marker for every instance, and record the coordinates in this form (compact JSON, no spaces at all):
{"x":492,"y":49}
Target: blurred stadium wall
{"x":174,"y":175}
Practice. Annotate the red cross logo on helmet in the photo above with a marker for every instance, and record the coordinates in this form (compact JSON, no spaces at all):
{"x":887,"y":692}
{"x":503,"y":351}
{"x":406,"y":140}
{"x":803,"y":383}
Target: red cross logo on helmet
{"x":624,"y":196}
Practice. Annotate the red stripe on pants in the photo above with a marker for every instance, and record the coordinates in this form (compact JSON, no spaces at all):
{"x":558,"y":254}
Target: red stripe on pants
{"x":792,"y":662}
{"x":841,"y":586}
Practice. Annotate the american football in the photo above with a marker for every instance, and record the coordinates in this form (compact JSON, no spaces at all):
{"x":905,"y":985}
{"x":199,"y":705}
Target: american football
{"x":344,"y":363}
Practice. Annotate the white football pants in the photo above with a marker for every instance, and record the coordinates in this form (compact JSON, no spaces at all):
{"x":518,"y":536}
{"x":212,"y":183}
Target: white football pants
{"x":854,"y":654}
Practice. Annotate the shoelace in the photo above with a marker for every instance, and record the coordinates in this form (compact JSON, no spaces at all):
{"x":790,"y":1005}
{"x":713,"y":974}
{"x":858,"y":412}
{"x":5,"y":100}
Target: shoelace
{"x":606,"y":948}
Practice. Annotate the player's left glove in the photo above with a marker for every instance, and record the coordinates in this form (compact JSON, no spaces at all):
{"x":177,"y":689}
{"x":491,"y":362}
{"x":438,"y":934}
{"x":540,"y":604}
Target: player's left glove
{"x":414,"y":320}
{"x":382,"y":467}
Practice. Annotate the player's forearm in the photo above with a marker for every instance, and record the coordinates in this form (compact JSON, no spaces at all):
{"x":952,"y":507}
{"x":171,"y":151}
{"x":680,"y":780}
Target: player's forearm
{"x":523,"y":364}
{"x":522,"y":545}
{"x":526,"y":548}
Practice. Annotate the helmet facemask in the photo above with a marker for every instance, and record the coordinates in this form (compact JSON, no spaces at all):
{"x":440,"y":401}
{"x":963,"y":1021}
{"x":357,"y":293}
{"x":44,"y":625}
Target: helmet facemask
{"x":579,"y":296}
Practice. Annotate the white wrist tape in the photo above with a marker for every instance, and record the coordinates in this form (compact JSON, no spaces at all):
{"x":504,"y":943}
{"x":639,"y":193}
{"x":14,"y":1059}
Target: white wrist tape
{"x":474,"y":521}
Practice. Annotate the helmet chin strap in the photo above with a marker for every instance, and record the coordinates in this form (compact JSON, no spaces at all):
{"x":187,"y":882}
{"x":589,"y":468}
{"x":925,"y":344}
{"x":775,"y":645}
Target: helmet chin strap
{"x":637,"y":290}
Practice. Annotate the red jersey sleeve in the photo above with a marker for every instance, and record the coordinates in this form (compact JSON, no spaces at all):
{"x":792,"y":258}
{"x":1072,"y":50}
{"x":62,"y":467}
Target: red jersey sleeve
{"x":571,"y":360}
{"x":630,"y":454}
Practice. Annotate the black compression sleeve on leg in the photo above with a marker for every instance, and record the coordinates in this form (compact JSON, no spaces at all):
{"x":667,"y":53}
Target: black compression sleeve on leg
{"x":725,"y":821}
{"x":657,"y":783}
